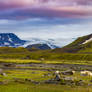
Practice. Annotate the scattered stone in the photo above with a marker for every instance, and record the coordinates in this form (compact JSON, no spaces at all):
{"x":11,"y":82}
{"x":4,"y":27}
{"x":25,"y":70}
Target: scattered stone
{"x":10,"y":65}
{"x":3,"y":74}
{"x":80,"y":83}
{"x":36,"y":82}
{"x":86,"y":73}
{"x":68,"y":72}
{"x":68,"y":79}
{"x":33,"y":72}
{"x":51,"y":81}
{"x":19,"y":80}
{"x":29,"y":80}
{"x":4,"y":82}
{"x":44,"y":75}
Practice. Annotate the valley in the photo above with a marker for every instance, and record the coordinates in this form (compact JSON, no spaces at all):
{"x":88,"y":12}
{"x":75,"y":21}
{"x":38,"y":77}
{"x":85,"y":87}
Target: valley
{"x":41,"y":68}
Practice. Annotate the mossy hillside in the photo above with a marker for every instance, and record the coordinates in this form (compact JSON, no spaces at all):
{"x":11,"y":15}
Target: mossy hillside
{"x":76,"y":46}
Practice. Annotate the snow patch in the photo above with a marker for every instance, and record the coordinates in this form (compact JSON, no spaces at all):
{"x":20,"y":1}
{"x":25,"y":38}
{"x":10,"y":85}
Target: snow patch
{"x":6,"y":43}
{"x":52,"y":43}
{"x":87,"y":41}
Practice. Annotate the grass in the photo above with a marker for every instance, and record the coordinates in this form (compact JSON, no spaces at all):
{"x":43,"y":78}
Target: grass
{"x":20,"y":61}
{"x":37,"y":76}
{"x":42,"y":88}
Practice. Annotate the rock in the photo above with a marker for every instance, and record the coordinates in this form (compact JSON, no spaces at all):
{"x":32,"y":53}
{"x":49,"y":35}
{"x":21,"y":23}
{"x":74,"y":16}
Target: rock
{"x":4,"y":82}
{"x":36,"y":82}
{"x":68,"y":79}
{"x":80,"y":83}
{"x":86,"y":73}
{"x":3,"y":74}
{"x":46,"y":75}
{"x":51,"y":81}
{"x":9,"y":65}
{"x":68,"y":72}
{"x":19,"y":80}
{"x":29,"y":80}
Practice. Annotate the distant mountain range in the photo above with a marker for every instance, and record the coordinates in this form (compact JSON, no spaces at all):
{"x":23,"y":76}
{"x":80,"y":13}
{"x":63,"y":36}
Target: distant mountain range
{"x":12,"y":40}
{"x":52,"y":43}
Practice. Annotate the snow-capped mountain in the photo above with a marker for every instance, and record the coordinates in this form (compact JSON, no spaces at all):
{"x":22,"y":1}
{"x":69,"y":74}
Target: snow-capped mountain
{"x":10,"y":40}
{"x":52,"y":43}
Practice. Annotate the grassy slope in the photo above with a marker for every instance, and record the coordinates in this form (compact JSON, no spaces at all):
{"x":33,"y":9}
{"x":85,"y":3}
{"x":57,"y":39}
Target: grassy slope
{"x":24,"y":55}
{"x":76,"y":46}
{"x":73,"y":51}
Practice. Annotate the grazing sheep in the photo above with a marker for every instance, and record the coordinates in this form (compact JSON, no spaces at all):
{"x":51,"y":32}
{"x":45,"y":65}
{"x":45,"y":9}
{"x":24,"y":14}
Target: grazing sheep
{"x":86,"y":73}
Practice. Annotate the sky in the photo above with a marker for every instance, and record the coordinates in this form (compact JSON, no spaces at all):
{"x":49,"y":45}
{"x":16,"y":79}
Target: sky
{"x":46,"y":18}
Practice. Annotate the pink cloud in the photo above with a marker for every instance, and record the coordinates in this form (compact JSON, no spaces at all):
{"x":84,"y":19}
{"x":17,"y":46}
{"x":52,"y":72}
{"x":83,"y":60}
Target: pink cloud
{"x":48,"y":8}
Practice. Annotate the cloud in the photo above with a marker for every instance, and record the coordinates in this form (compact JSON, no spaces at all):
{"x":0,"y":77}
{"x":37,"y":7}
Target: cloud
{"x":23,"y":9}
{"x":46,"y":18}
{"x":43,"y":28}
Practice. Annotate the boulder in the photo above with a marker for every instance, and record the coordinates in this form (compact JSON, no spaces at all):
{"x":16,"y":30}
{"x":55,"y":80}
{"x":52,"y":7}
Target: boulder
{"x":28,"y":80}
{"x":68,"y":72}
{"x":9,"y":65}
{"x":51,"y":81}
{"x":3,"y":74}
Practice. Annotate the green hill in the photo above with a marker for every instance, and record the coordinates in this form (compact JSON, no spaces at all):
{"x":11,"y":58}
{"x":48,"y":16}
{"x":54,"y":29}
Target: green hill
{"x":82,"y":45}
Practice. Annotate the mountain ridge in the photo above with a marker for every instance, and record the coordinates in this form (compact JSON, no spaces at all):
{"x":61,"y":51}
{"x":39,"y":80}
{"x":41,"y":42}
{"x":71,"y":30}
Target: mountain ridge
{"x":80,"y":44}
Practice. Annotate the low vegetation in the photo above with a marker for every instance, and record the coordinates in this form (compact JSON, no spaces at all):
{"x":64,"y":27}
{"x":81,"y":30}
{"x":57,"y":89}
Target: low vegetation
{"x":33,"y":81}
